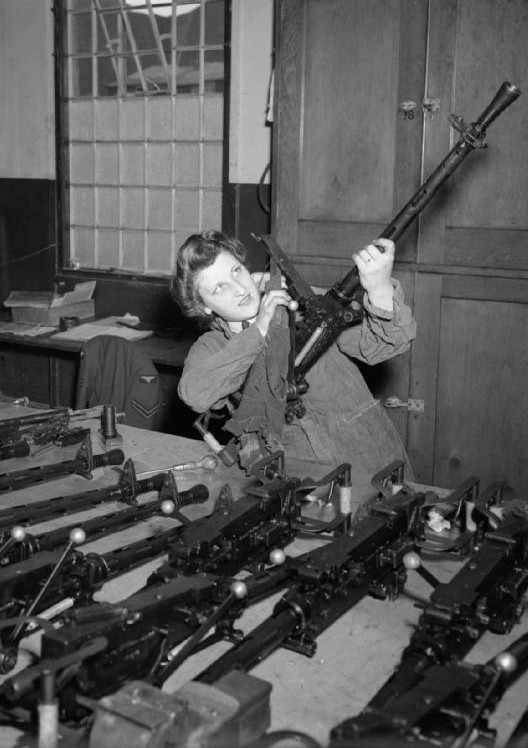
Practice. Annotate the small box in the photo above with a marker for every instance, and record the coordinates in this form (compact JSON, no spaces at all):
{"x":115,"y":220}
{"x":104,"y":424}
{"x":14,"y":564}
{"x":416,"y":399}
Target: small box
{"x":51,"y":316}
{"x":47,"y":308}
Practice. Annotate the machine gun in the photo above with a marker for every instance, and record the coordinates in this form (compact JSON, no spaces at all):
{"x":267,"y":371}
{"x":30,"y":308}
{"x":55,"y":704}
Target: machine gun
{"x":140,"y":632}
{"x":17,"y":435}
{"x":485,"y":595}
{"x":326,"y":316}
{"x":50,"y":577}
{"x":448,"y":708}
{"x":126,"y":490}
{"x":83,"y":464}
{"x":326,"y":582}
{"x":267,"y":516}
{"x":17,"y":544}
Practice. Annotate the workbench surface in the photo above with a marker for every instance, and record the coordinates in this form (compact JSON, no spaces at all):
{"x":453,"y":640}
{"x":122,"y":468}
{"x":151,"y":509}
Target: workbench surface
{"x":354,"y":656}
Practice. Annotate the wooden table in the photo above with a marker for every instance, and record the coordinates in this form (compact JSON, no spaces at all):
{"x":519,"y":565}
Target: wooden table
{"x":165,"y":353}
{"x":354,"y":656}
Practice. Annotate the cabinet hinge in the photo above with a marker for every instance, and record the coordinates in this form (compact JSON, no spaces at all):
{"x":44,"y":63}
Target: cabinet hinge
{"x":412,"y":403}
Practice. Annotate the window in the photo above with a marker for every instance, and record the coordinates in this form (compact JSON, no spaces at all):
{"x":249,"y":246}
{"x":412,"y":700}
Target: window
{"x":142,"y":129}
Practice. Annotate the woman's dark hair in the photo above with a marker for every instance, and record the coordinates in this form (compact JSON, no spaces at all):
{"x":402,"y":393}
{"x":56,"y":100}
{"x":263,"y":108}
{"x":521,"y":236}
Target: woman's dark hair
{"x":197,"y":253}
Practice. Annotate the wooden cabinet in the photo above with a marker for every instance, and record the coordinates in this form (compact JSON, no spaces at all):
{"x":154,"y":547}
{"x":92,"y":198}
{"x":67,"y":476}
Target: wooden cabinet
{"x":347,"y":157}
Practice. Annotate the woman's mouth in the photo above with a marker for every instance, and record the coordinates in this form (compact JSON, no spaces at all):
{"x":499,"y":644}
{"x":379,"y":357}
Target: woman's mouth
{"x":245,"y":300}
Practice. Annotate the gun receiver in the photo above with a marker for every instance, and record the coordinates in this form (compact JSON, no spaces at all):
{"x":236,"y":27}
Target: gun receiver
{"x":126,"y":490}
{"x":328,"y":581}
{"x":82,"y":464}
{"x":171,"y":606}
{"x":325,"y":317}
{"x":19,"y":545}
{"x":41,"y":427}
{"x":448,"y":707}
{"x":49,"y":577}
{"x":485,"y":595}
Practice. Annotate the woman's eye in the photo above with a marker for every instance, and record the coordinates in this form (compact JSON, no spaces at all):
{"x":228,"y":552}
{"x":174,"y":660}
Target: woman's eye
{"x":217,"y":289}
{"x":236,"y":270}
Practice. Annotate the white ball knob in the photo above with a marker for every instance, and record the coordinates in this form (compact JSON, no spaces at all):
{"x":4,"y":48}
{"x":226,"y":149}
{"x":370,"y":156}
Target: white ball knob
{"x":411,"y":560}
{"x":77,"y":535}
{"x":506,"y":661}
{"x":277,"y":557}
{"x":239,"y":589}
{"x":167,"y":506}
{"x":18,"y":533}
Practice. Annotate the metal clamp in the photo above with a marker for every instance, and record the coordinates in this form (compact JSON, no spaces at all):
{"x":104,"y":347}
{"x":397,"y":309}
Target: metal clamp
{"x":413,"y":404}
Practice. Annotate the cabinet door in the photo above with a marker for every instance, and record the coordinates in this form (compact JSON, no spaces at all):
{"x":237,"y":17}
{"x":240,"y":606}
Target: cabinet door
{"x":471,"y":299}
{"x":347,"y":157}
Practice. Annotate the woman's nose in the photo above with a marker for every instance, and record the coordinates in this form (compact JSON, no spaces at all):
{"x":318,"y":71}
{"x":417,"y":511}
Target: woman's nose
{"x":239,"y":289}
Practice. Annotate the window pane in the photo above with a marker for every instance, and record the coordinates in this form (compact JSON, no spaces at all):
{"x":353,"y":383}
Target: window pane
{"x":80,"y":4}
{"x":81,"y":77}
{"x":110,"y":76}
{"x":81,"y":33}
{"x":214,"y":23}
{"x":188,"y":25}
{"x":188,"y":72}
{"x":146,"y":30}
{"x":110,"y":36}
{"x":214,"y":71}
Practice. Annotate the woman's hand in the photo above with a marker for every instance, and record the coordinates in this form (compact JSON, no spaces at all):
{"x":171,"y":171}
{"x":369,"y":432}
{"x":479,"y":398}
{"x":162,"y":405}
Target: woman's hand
{"x":268,"y":304}
{"x":375,"y":270}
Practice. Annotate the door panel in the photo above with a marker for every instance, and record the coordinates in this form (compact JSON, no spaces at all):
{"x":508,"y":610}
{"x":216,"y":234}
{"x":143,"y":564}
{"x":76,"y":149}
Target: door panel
{"x":340,"y":136}
{"x":346,"y":159}
{"x":482,"y":396}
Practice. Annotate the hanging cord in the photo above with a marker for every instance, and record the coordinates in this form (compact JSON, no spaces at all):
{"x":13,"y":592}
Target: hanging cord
{"x":264,"y":204}
{"x":26,"y":257}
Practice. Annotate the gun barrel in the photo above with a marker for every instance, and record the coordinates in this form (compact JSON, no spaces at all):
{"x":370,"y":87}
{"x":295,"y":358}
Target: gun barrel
{"x":506,"y":95}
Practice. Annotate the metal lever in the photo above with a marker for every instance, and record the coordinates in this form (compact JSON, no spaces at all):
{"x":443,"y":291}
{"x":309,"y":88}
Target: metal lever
{"x":207,"y":462}
{"x":77,"y":536}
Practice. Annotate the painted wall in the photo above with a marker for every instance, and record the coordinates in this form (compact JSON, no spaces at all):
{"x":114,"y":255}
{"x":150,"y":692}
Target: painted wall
{"x":27,"y":142}
{"x":27,"y":138}
{"x":27,"y":134}
{"x":251,"y":60}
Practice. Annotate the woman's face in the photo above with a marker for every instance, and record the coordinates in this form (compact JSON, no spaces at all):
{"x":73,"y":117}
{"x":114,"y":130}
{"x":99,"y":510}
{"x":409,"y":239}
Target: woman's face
{"x":228,"y":290}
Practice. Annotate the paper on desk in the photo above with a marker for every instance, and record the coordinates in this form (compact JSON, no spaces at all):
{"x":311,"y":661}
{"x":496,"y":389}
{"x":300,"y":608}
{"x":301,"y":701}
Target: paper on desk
{"x":25,"y":329}
{"x":90,"y":330}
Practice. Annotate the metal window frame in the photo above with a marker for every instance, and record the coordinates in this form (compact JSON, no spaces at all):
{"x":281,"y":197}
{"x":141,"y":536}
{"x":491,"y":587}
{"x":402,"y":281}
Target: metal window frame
{"x":62,"y":67}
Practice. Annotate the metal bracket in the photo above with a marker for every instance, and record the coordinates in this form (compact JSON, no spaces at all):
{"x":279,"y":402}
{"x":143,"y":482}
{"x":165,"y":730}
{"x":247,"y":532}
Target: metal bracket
{"x":414,"y":404}
{"x":430,"y":106}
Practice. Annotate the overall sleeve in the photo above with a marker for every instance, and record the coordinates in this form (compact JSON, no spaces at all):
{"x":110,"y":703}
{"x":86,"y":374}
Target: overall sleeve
{"x":216,"y":366}
{"x":381,"y":334}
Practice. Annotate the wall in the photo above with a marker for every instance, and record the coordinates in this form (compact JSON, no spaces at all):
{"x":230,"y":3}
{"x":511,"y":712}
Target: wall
{"x":250,"y":133}
{"x":27,"y":142}
{"x":27,"y":145}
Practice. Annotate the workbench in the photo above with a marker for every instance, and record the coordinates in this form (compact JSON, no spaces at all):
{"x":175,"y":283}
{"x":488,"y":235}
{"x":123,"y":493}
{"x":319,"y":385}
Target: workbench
{"x":45,"y":369}
{"x":354,"y":656}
